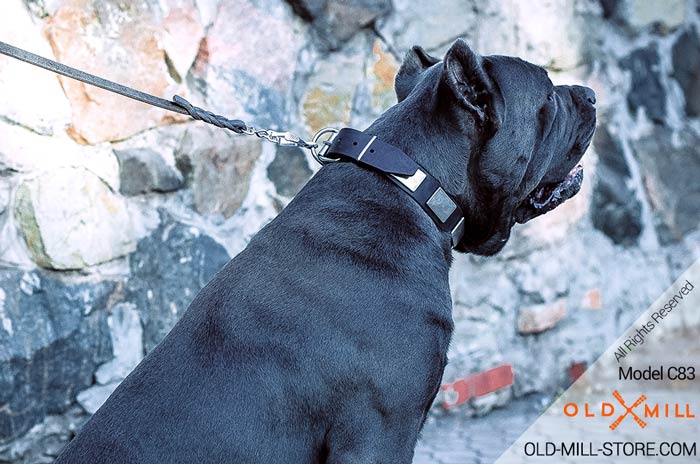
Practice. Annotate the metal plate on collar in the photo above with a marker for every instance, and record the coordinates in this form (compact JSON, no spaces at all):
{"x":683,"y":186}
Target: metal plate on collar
{"x":441,"y":204}
{"x":457,"y":232}
{"x":412,"y":182}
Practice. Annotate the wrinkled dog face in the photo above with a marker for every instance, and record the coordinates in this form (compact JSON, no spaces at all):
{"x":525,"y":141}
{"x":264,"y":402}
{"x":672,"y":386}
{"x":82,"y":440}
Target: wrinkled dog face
{"x":526,"y":135}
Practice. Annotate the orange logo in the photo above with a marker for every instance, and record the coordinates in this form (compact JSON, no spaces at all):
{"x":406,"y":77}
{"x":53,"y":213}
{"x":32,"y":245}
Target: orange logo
{"x":628,"y":410}
{"x":635,"y":410}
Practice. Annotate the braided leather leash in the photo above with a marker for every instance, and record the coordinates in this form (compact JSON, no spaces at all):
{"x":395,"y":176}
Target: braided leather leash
{"x":177,"y":105}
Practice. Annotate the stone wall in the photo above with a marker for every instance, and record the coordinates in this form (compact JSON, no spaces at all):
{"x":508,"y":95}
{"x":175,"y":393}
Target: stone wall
{"x":113,"y":214}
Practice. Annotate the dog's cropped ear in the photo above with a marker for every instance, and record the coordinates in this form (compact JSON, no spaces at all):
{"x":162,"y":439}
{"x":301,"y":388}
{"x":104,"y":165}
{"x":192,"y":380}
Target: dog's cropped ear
{"x":416,"y":61}
{"x":464,"y":75}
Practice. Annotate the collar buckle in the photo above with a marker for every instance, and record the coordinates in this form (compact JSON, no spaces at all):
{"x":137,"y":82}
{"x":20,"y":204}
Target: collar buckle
{"x":321,"y":144}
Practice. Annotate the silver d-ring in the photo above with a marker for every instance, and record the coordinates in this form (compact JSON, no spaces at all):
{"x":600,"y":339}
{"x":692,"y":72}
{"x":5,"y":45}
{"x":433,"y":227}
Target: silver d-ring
{"x":321,"y":145}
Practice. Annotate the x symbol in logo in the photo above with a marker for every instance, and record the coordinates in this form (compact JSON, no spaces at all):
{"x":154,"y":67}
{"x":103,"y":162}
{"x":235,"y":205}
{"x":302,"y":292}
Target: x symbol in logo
{"x":628,"y":410}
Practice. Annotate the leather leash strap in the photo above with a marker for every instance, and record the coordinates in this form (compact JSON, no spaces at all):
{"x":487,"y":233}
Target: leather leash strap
{"x":58,"y":68}
{"x":366,"y":150}
{"x":178,"y":104}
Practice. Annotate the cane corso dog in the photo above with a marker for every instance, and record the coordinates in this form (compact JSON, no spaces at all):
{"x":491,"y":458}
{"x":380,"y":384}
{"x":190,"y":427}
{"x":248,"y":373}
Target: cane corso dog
{"x":325,"y":340}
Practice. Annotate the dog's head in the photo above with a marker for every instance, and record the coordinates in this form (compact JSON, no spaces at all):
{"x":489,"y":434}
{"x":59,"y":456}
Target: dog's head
{"x":498,"y":134}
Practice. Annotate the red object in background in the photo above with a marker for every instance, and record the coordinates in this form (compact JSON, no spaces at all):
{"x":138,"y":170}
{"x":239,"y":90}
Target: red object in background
{"x":479,"y":384}
{"x":576,"y":371}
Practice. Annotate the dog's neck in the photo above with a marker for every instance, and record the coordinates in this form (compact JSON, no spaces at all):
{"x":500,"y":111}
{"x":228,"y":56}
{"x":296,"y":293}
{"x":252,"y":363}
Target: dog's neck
{"x":353,"y":211}
{"x":371,"y":218}
{"x":438,"y":146}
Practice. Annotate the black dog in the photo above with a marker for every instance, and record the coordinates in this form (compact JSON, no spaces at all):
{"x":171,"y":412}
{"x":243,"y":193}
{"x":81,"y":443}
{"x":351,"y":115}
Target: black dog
{"x":324,"y":341}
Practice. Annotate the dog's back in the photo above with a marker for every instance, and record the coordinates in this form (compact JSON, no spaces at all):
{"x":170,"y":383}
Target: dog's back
{"x":306,"y":345}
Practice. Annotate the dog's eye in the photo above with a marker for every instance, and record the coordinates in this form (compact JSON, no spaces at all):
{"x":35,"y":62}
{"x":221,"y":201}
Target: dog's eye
{"x":550,"y":97}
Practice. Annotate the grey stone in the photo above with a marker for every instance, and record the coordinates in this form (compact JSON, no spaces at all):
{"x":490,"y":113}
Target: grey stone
{"x":45,"y":440}
{"x":143,"y":170}
{"x":127,"y":344}
{"x":615,"y":209}
{"x":92,"y":398}
{"x":245,"y":74}
{"x":432,"y":26}
{"x":540,"y":282}
{"x":267,"y":106}
{"x":51,"y":341}
{"x":70,"y":219}
{"x":659,"y":16}
{"x":538,"y":318}
{"x":328,"y":98}
{"x":610,"y":151}
{"x":308,"y":10}
{"x":686,"y":69}
{"x":646,"y":90}
{"x":168,"y":268}
{"x":33,"y":100}
{"x":611,"y":9}
{"x":24,"y":151}
{"x":4,"y":195}
{"x":219,"y":167}
{"x":130,"y":37}
{"x":671,"y":170}
{"x":335,"y":22}
{"x":289,"y":171}
{"x":664,"y":15}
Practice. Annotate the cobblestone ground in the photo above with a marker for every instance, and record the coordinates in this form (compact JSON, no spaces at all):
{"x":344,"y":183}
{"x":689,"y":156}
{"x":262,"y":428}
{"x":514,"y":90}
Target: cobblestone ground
{"x":454,"y":439}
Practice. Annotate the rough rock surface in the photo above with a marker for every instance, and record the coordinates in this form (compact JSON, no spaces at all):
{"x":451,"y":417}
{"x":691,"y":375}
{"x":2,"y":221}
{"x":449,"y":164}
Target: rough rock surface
{"x":126,"y":334}
{"x":94,"y":397}
{"x":167,"y":270}
{"x":220,"y":168}
{"x":686,"y":69}
{"x":646,"y":90}
{"x":30,"y":97}
{"x":71,"y":219}
{"x":118,"y":41}
{"x":616,"y":210}
{"x":328,"y":100}
{"x":670,"y":165}
{"x":335,"y":22}
{"x":53,"y":335}
{"x":239,"y":71}
{"x":289,"y":171}
{"x":144,"y":170}
{"x":667,"y":14}
{"x":658,"y":15}
{"x":24,"y":151}
{"x":538,"y":318}
{"x":182,"y":30}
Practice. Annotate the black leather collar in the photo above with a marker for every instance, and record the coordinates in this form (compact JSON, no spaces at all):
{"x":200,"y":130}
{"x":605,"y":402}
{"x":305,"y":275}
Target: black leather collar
{"x":368,"y":151}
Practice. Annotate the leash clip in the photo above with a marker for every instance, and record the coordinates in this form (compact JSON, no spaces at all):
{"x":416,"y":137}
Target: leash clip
{"x":284,"y":139}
